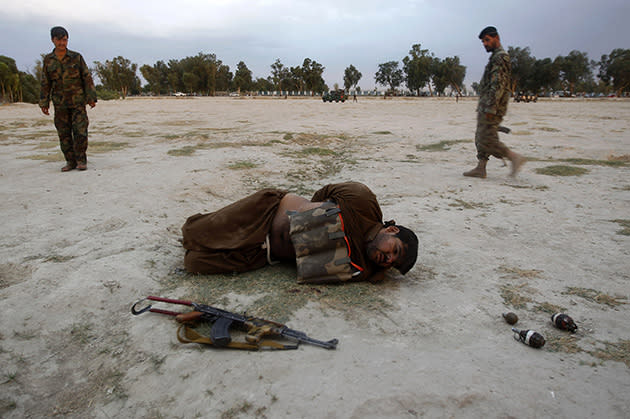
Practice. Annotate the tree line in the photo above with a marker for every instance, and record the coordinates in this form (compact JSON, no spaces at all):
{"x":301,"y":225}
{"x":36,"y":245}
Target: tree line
{"x":419,"y":71}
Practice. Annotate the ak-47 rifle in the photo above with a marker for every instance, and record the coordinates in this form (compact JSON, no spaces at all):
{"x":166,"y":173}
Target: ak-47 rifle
{"x":222,"y":321}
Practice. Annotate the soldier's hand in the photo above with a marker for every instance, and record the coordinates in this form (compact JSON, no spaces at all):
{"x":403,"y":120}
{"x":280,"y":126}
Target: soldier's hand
{"x":489,"y":116}
{"x":45,"y":111}
{"x":92,"y":104}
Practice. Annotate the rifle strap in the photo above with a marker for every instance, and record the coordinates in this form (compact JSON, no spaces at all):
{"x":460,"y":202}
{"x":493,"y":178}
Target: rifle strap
{"x":186,"y":334}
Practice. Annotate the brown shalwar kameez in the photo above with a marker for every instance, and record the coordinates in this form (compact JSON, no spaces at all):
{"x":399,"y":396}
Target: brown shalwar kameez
{"x":231,"y":239}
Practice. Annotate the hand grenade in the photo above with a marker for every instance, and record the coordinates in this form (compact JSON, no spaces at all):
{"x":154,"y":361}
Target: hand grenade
{"x":564,"y":322}
{"x":529,"y":337}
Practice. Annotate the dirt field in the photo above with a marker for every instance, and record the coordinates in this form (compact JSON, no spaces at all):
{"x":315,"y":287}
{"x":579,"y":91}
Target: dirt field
{"x":78,"y":249}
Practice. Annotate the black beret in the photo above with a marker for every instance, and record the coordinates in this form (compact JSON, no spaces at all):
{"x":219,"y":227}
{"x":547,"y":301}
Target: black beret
{"x":489,"y":30}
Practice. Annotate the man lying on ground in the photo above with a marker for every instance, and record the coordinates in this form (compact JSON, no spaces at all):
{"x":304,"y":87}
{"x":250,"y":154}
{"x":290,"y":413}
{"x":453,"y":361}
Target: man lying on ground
{"x":338,"y":235}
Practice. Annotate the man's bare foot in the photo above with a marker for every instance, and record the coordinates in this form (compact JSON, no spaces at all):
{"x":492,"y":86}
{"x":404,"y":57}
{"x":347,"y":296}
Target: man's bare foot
{"x":517,"y":162}
{"x":476,"y":172}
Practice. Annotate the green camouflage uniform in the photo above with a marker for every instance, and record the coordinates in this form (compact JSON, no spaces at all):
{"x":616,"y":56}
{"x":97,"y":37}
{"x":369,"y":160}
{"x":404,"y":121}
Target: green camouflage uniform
{"x":494,"y":93}
{"x":69,"y":84}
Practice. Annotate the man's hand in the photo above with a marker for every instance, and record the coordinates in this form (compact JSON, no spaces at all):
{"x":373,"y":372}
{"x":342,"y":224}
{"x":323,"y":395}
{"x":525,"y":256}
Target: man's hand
{"x":45,"y":111}
{"x":92,"y":104}
{"x":489,"y":116}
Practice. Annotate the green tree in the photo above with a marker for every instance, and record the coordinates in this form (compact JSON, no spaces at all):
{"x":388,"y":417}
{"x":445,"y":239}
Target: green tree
{"x":29,"y":88}
{"x":118,"y":75}
{"x":475,"y":87}
{"x":447,"y":72}
{"x":279,"y":75}
{"x":262,"y":84}
{"x":156,"y":77}
{"x":351,"y":77}
{"x":544,"y":76}
{"x":389,"y":74}
{"x":312,"y":72}
{"x":522,"y":68}
{"x":9,"y":79}
{"x":417,"y":68}
{"x":574,"y":68}
{"x":243,"y":77}
{"x":615,"y":69}
{"x":191,"y":81}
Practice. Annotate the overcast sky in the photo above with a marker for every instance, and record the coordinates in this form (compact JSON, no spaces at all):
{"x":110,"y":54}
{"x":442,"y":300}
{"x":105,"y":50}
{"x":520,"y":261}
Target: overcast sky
{"x":335,"y":33}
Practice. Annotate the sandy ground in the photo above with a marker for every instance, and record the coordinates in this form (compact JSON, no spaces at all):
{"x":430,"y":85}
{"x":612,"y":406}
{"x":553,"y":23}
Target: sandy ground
{"x":78,"y":249}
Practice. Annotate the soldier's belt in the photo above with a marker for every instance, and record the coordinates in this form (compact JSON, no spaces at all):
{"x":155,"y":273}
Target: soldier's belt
{"x":322,"y":250}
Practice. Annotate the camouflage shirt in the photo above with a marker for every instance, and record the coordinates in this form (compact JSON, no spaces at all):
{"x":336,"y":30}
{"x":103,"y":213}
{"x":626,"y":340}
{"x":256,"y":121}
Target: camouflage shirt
{"x":494,"y":88}
{"x":67,"y":82}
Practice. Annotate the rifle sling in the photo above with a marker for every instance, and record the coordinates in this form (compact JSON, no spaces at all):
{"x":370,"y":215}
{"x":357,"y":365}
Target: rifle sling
{"x":186,"y":334}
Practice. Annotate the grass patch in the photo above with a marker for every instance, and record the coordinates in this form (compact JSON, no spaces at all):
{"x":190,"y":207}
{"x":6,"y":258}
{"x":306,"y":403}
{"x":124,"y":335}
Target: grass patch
{"x":549,"y":308}
{"x":560,"y":170}
{"x":237,"y":410}
{"x":58,"y":258}
{"x":520,"y":273}
{"x":619,"y":351}
{"x":51,"y":157}
{"x":521,"y":133}
{"x":623,"y":158}
{"x":459,"y":203}
{"x":288,"y":136}
{"x":564,"y":343}
{"x":596,"y":296}
{"x":184,"y":151}
{"x":133,"y":134}
{"x":382,"y":133}
{"x":625,"y":224}
{"x":243,"y":164}
{"x":82,"y":333}
{"x":512,"y":296}
{"x":610,"y":163}
{"x":6,"y":405}
{"x":274,"y":294}
{"x":441,"y":146}
{"x":106,"y":146}
{"x":316,"y":151}
{"x":548,"y":129}
{"x":44,"y":145}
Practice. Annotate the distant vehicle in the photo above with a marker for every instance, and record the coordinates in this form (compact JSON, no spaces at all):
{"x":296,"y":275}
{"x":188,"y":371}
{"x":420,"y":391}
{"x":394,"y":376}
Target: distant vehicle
{"x":335,"y":95}
{"x":233,"y":94}
{"x":179,"y":94}
{"x":522,"y":97}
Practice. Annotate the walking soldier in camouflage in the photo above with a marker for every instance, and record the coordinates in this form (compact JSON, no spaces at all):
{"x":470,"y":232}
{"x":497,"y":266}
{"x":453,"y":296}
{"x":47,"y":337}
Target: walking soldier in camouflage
{"x":494,"y":93}
{"x":66,"y":80}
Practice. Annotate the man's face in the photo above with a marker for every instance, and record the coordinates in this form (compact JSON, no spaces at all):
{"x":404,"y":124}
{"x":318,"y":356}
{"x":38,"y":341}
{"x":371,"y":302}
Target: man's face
{"x":61,"y":44}
{"x":386,"y":250}
{"x":490,"y":43}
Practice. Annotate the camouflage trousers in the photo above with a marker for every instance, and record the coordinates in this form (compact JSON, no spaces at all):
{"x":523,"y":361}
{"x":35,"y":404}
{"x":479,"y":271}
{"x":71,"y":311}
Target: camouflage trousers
{"x":487,"y":138}
{"x":72,"y":128}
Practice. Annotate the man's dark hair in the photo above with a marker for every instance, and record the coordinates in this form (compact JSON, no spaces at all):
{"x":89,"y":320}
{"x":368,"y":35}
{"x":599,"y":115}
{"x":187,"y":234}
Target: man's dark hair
{"x":488,"y":30}
{"x":58,"y":32}
{"x":410,"y":242}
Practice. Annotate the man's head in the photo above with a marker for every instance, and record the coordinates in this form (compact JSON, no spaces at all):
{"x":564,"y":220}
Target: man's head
{"x":394,"y":247}
{"x":490,"y":38}
{"x":59,"y":37}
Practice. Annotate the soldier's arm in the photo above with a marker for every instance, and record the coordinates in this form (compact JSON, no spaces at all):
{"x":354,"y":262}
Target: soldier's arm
{"x":88,"y":84}
{"x":493,"y":88}
{"x":44,"y":91}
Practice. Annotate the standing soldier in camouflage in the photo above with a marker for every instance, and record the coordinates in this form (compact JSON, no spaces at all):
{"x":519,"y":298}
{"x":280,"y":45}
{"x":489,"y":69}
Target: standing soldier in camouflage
{"x":494,"y":93}
{"x":68,"y":82}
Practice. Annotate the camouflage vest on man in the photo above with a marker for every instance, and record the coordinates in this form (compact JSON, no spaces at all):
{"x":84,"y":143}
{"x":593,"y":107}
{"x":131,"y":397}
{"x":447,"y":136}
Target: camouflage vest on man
{"x":494,"y":87}
{"x":322,"y":252}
